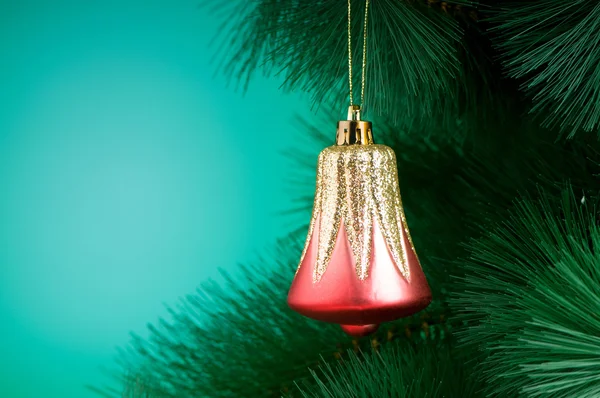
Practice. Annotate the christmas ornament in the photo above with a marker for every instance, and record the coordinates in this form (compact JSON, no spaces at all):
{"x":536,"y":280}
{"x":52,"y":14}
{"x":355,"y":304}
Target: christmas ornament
{"x":359,"y":267}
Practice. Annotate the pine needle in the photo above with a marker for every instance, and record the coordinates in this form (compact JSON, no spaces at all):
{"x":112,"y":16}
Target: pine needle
{"x":531,"y":297}
{"x":413,"y":64}
{"x":399,"y":371}
{"x":555,"y":47}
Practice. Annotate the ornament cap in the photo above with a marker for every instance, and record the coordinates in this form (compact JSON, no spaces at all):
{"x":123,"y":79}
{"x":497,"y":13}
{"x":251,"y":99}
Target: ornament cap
{"x":354,"y":131}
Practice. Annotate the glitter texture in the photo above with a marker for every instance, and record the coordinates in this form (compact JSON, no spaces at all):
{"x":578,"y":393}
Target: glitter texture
{"x":355,"y":185}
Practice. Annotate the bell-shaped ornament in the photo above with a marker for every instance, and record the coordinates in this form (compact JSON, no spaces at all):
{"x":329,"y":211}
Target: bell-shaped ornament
{"x":359,"y":267}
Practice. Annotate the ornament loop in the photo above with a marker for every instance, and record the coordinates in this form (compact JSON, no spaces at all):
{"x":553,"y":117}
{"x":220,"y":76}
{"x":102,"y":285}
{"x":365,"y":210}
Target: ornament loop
{"x":354,"y":112}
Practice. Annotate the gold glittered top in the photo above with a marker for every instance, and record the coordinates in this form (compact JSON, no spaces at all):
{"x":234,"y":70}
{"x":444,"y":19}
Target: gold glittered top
{"x":357,"y":184}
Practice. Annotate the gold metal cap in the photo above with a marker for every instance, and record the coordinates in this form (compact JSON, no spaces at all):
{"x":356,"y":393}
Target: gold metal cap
{"x":354,"y":131}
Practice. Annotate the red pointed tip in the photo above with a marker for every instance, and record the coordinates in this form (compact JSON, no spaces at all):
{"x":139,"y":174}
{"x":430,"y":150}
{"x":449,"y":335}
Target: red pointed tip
{"x":360,"y":330}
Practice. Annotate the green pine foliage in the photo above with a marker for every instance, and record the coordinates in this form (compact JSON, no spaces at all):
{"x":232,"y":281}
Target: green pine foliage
{"x":531,"y":299}
{"x":413,"y":52}
{"x":427,"y":59}
{"x":471,"y":97}
{"x":398,"y":371}
{"x":553,"y":46}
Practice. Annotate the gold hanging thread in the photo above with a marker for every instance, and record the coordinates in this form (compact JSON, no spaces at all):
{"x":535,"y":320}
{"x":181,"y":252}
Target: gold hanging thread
{"x":364,"y":54}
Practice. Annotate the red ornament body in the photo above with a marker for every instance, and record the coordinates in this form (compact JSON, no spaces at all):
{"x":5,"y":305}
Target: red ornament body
{"x":359,"y":267}
{"x":341,"y":297}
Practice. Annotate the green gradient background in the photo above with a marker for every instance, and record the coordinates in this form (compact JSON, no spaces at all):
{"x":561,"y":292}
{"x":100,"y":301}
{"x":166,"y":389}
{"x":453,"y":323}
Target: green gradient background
{"x":128,"y":174}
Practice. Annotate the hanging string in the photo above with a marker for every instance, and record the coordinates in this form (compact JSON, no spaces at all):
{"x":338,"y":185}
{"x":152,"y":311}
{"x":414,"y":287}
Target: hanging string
{"x":350,"y":52}
{"x":364,"y":57}
{"x":364,"y":54}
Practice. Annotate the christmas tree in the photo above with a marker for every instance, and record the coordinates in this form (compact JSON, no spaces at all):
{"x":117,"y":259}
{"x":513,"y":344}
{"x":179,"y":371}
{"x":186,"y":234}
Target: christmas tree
{"x":493,"y":110}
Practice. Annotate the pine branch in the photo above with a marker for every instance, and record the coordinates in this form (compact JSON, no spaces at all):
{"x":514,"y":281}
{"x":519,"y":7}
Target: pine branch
{"x":414,"y":68}
{"x":554,"y":46}
{"x":399,"y":370}
{"x":531,"y":298}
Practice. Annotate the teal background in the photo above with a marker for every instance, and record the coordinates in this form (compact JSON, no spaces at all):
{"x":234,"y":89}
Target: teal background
{"x":129,"y":173}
